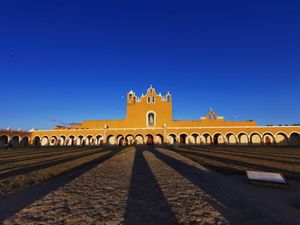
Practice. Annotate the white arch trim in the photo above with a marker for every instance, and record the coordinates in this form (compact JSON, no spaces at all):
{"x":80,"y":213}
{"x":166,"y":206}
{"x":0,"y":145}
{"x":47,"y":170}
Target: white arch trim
{"x":155,"y":117}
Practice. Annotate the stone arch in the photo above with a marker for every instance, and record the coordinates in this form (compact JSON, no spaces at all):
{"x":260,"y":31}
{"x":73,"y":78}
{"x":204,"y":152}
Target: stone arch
{"x":129,"y":139}
{"x":24,"y":141}
{"x":255,"y":139}
{"x":4,"y":141}
{"x":159,"y":139}
{"x":149,"y":139}
{"x":208,"y":138}
{"x":71,"y":140}
{"x":194,"y":138}
{"x":79,"y":140}
{"x":45,"y":141}
{"x":243,"y":138}
{"x":15,"y":141}
{"x":231,"y":138}
{"x":90,"y":140}
{"x":111,"y":140}
{"x":268,"y":138}
{"x":295,"y":138}
{"x":99,"y":140}
{"x":120,"y":139}
{"x":62,"y":140}
{"x":36,"y":141}
{"x":172,"y":138}
{"x":139,"y":139}
{"x":281,"y":138}
{"x":183,"y":138}
{"x":218,"y":138}
{"x":53,"y":141}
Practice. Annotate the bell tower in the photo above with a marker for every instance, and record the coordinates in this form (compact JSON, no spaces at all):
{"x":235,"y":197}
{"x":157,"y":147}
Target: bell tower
{"x":131,"y":98}
{"x":149,"y":110}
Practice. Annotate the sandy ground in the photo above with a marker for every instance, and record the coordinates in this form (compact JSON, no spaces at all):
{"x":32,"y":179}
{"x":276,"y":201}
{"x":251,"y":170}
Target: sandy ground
{"x":157,"y":186}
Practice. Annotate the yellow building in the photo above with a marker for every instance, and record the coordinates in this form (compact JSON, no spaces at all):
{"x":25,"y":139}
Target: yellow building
{"x":149,"y":120}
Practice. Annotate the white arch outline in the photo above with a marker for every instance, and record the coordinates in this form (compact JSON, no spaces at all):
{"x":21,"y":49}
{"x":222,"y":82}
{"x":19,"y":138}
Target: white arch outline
{"x":155,"y":117}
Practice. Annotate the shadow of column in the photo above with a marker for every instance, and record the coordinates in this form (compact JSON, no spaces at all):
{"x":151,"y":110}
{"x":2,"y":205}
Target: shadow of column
{"x":13,"y":203}
{"x":146,"y":203}
{"x":234,"y":205}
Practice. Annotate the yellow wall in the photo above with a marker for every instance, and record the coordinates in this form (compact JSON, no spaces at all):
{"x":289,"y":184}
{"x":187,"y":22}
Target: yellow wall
{"x":137,"y":109}
{"x":135,"y":123}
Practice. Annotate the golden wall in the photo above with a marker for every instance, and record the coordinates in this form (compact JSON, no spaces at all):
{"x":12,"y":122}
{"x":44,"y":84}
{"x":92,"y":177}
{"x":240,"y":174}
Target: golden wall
{"x":151,"y":116}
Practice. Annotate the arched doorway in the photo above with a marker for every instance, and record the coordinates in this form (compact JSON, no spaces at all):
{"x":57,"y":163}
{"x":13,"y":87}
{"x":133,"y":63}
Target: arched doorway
{"x":111,"y":140}
{"x":90,"y":140}
{"x":281,"y":139}
{"x":99,"y":140}
{"x":268,"y":139}
{"x":79,"y":140}
{"x":53,"y":141}
{"x":61,"y":141}
{"x":36,"y":141}
{"x":183,"y":139}
{"x":243,"y":139}
{"x":231,"y":139}
{"x":139,"y":139}
{"x":3,"y":141}
{"x":149,"y":139}
{"x":120,"y":140}
{"x":129,"y":139}
{"x":15,"y":141}
{"x":171,"y":139}
{"x":195,"y":138}
{"x":218,"y":139}
{"x":24,"y":142}
{"x":255,"y":139}
{"x":71,"y":140}
{"x":159,"y":139}
{"x":295,"y":139}
{"x":45,"y":141}
{"x":208,"y":139}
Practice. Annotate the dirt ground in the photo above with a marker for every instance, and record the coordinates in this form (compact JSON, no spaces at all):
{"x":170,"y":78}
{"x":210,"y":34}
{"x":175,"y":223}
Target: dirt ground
{"x":153,"y":186}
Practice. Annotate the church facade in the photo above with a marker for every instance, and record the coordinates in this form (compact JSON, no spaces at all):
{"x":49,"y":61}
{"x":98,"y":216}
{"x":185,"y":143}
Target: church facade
{"x":149,"y":119}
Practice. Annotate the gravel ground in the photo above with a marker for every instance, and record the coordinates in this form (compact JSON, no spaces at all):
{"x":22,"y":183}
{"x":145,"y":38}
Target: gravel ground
{"x":152,"y":186}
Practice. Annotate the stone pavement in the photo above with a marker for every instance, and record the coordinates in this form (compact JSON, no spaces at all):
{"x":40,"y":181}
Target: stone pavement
{"x":149,"y":186}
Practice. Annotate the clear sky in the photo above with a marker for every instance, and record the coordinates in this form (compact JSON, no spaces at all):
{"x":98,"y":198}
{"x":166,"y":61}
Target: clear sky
{"x":67,"y":61}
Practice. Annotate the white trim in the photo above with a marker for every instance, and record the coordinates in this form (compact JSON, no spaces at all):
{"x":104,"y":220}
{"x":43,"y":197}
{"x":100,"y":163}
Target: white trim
{"x":147,"y":122}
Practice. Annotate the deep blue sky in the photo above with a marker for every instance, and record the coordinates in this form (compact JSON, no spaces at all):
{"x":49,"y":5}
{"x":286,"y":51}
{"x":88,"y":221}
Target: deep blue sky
{"x":67,"y":61}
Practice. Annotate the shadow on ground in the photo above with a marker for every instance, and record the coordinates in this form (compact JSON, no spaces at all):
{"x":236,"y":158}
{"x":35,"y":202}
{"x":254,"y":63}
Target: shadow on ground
{"x":235,"y":206}
{"x":146,"y":203}
{"x":14,"y":202}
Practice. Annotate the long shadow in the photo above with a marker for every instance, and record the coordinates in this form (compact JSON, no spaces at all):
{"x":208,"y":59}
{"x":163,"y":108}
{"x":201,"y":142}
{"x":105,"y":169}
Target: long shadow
{"x":13,"y":203}
{"x":246,"y":154}
{"x":235,"y":207}
{"x":146,"y":203}
{"x":244,"y":151}
{"x":242,"y":156}
{"x":40,"y":155}
{"x":243,"y":163}
{"x":4,"y":154}
{"x":19,"y":170}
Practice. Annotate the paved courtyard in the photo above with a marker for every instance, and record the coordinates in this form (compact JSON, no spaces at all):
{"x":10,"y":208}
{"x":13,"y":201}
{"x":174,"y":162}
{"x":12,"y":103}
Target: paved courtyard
{"x":152,"y":186}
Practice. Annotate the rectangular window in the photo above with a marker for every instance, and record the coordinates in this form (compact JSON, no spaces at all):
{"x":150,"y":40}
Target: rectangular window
{"x":153,"y":99}
{"x":149,"y":100}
